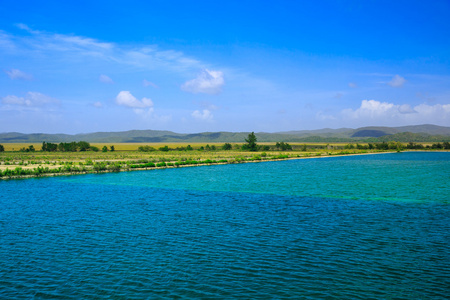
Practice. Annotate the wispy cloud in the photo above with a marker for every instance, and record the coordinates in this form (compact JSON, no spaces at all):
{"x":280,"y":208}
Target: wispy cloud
{"x":147,"y":83}
{"x":73,"y":47}
{"x":352,"y":85}
{"x":338,"y":95}
{"x":31,"y":99}
{"x":16,"y":74}
{"x":208,"y":82}
{"x":105,"y":79}
{"x":98,"y":104}
{"x":397,"y":81}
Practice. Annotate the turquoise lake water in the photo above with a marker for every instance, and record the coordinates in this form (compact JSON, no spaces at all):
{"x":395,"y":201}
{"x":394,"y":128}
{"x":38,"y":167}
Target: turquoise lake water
{"x":355,"y":227}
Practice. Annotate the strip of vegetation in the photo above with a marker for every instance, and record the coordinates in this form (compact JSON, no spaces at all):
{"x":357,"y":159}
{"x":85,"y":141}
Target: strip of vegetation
{"x":81,"y":157}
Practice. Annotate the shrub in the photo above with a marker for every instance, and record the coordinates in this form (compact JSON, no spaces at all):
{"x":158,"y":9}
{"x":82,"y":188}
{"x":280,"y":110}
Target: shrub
{"x":227,"y":146}
{"x":146,"y":149}
{"x":114,"y":168}
{"x":99,"y":166}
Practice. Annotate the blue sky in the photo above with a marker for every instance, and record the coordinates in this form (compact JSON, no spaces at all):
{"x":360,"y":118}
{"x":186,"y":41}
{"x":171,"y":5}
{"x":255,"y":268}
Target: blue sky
{"x":195,"y":66}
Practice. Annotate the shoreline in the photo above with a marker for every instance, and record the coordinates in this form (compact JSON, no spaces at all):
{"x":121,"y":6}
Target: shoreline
{"x":42,"y":175}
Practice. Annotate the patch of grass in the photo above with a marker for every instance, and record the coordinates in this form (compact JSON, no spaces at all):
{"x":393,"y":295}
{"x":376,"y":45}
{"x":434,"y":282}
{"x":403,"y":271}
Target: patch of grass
{"x":121,"y":159}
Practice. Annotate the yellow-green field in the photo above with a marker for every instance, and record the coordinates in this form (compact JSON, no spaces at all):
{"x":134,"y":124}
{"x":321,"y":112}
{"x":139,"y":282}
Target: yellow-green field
{"x":134,"y":146}
{"x":15,"y":163}
{"x":126,"y":157}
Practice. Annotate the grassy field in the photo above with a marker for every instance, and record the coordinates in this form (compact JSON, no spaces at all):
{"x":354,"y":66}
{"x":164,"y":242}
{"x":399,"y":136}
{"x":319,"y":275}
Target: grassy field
{"x":14,"y":163}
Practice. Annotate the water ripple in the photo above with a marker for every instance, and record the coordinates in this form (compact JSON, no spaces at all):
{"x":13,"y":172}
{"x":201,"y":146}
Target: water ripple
{"x":105,"y":237}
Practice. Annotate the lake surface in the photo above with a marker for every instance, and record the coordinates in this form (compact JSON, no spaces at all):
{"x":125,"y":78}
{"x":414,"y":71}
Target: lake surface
{"x":355,"y":227}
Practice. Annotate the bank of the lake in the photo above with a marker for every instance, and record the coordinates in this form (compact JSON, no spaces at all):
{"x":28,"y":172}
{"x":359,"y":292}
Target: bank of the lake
{"x":105,"y":166}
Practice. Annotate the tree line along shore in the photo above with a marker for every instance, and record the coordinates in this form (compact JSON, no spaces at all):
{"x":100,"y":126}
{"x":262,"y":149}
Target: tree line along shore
{"x":48,"y":159}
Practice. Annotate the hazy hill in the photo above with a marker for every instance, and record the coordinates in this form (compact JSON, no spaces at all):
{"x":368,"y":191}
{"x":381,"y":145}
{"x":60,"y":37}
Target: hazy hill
{"x":415,"y":133}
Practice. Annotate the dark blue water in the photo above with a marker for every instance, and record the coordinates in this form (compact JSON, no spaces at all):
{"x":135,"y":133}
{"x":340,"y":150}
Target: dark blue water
{"x":361,"y":227}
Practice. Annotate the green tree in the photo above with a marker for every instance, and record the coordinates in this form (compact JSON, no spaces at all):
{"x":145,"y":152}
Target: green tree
{"x":84,"y":146}
{"x":349,"y":146}
{"x":189,"y":148}
{"x":112,"y":148}
{"x":49,"y":147}
{"x":2,"y":148}
{"x":382,"y":146}
{"x":105,"y":149}
{"x":283,"y":146}
{"x":227,"y":146}
{"x":251,"y":142}
{"x":68,"y":147}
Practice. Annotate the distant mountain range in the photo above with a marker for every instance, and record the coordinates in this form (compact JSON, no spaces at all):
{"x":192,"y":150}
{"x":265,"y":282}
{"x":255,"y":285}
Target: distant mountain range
{"x":416,"y":133}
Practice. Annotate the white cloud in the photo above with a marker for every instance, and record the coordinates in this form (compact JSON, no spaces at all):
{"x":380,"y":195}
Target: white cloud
{"x":406,"y":109}
{"x":389,"y":114}
{"x":32,"y":99}
{"x":397,"y":81}
{"x":16,"y":74}
{"x":147,"y":83}
{"x":105,"y":79}
{"x":143,"y":108}
{"x":204,"y":115}
{"x":208,"y":82}
{"x":125,"y":98}
{"x":371,"y":109}
{"x":352,"y":85}
{"x":98,"y":104}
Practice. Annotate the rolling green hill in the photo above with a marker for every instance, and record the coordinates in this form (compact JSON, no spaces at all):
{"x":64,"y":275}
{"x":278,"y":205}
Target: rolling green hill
{"x":417,"y":133}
